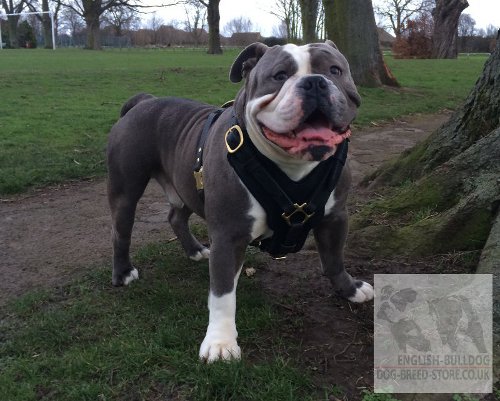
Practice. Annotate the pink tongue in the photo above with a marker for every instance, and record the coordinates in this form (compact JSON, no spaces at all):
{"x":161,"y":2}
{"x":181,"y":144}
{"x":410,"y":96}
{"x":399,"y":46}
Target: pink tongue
{"x":309,"y":136}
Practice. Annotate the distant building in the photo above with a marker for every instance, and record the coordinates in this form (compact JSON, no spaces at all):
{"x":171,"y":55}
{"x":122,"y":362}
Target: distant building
{"x":385,"y":39}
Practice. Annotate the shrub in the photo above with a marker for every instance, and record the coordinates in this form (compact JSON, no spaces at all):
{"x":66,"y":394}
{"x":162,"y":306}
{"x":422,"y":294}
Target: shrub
{"x":416,"y":40}
{"x":26,"y":36}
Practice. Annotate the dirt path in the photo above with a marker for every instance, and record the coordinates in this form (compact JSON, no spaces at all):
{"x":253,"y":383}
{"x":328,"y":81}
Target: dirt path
{"x":50,"y":235}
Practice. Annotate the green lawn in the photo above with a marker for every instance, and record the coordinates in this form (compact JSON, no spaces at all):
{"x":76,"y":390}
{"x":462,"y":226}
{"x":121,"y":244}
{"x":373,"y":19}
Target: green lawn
{"x":88,"y":341}
{"x":56,"y":107}
{"x":427,"y":86}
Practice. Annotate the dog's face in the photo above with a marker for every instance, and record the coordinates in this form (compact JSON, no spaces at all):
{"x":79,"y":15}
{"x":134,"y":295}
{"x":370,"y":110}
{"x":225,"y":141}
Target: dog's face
{"x":298,"y":101}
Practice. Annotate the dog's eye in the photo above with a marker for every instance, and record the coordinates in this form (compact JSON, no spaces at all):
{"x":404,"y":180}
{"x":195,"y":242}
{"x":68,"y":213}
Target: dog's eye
{"x":335,"y":70}
{"x":281,"y":76}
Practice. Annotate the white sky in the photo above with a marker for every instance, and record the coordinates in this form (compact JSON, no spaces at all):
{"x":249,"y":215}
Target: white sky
{"x":258,"y":11}
{"x":484,"y":12}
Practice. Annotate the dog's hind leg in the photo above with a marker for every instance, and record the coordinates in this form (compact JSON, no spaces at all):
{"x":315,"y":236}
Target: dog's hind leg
{"x":178,"y":219}
{"x":330,"y":238}
{"x":123,"y":198}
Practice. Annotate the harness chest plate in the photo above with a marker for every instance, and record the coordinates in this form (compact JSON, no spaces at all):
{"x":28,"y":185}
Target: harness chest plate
{"x":292,"y":208}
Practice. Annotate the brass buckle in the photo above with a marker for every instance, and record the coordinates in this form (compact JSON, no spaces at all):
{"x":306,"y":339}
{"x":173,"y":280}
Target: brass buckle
{"x":198,"y":176}
{"x":298,"y":209}
{"x":240,"y":133}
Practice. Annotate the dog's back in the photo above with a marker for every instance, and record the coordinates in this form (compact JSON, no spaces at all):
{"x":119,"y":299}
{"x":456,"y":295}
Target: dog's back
{"x":134,"y":100}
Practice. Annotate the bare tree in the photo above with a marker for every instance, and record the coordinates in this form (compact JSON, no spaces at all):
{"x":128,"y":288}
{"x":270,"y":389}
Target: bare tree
{"x":398,"y":12}
{"x":45,"y":18}
{"x":360,"y":45}
{"x":309,"y":12}
{"x":92,"y":11}
{"x":213,"y":18}
{"x":196,"y":15}
{"x":466,"y":25}
{"x":154,"y":24}
{"x":320,"y":22}
{"x":13,"y":7}
{"x":491,"y":31}
{"x":288,"y":12}
{"x":70,"y":21}
{"x":121,"y":19}
{"x":280,"y":31}
{"x":239,"y":25}
{"x":444,"y":37}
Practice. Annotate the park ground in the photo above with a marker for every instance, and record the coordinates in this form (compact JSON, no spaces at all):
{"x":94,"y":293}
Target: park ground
{"x":54,"y":235}
{"x":66,"y":333}
{"x":51,"y":233}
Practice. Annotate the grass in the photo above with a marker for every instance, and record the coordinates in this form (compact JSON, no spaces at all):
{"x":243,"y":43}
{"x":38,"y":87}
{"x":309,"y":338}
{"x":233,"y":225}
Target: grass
{"x":87,"y":341}
{"x":57,"y":107}
{"x":427,"y":86}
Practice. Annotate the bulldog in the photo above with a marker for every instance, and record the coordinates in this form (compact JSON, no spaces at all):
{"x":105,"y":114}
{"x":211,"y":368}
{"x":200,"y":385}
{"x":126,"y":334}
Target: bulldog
{"x":292,"y":114}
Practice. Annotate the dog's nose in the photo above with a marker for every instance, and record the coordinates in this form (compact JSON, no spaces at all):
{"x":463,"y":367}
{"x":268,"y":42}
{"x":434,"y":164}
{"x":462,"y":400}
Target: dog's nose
{"x":314,"y":83}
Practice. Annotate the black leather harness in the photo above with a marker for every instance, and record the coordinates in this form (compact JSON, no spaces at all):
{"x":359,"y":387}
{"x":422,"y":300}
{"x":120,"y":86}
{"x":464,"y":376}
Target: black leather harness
{"x":292,"y":208}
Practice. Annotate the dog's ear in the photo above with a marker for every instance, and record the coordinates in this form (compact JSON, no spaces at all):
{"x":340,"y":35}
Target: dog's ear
{"x":329,"y":42}
{"x":246,"y":61}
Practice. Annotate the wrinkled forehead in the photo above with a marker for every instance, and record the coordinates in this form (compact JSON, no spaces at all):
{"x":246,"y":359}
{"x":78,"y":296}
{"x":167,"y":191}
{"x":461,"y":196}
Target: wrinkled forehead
{"x":302,"y":60}
{"x":322,"y":54}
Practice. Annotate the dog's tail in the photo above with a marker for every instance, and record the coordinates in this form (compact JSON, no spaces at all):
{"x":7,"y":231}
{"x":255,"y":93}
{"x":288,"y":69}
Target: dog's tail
{"x":133,"y":101}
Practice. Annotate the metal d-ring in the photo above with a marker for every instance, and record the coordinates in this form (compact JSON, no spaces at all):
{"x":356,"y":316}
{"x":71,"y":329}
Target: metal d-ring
{"x":240,"y":133}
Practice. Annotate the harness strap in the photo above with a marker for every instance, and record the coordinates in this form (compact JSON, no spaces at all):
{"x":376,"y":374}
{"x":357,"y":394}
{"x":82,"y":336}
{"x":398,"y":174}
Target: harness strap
{"x":292,"y":208}
{"x":198,"y":165}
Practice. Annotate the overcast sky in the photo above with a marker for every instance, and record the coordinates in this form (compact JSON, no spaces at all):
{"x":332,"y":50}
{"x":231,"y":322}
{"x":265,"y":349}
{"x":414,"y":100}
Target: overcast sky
{"x":484,"y":12}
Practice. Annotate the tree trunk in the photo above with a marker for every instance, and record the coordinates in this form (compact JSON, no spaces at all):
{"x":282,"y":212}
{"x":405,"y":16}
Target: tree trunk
{"x":47,"y":25}
{"x":309,"y":11}
{"x":454,"y":197}
{"x":478,"y":116}
{"x":444,"y":37}
{"x":351,"y":25}
{"x":92,"y":22}
{"x":213,"y":17}
{"x":12,"y":22}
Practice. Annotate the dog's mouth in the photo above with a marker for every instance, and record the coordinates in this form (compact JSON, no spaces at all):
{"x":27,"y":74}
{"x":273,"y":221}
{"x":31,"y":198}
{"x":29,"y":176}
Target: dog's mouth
{"x":315,"y":137}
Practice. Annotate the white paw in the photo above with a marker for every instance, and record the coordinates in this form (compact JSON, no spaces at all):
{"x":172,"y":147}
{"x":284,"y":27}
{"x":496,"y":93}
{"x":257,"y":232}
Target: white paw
{"x":133,"y":275}
{"x":213,"y":349}
{"x":363,"y":293}
{"x":203,"y":254}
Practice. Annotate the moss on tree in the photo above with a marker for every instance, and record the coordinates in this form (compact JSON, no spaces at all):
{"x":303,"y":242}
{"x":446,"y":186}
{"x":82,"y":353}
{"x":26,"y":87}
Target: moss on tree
{"x":444,"y":194}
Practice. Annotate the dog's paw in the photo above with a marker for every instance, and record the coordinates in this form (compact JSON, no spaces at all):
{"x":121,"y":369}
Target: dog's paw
{"x":363,"y":293}
{"x":133,"y":275}
{"x":203,"y":254}
{"x":214,"y":349}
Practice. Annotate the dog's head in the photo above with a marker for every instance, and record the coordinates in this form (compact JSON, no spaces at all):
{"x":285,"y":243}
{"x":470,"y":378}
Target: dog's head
{"x":297,"y":101}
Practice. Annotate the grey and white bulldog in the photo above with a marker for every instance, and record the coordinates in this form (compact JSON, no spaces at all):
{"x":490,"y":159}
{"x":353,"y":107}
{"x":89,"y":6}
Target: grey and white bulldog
{"x":296,"y":105}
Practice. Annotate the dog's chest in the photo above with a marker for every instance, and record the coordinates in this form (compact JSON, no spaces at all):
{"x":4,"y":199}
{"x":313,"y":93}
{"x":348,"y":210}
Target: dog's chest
{"x":260,"y":229}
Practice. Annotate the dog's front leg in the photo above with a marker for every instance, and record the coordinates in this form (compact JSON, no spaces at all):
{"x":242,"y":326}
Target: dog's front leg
{"x":225,"y":262}
{"x":330,"y":236}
